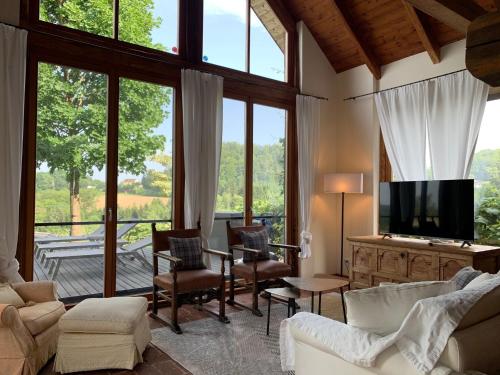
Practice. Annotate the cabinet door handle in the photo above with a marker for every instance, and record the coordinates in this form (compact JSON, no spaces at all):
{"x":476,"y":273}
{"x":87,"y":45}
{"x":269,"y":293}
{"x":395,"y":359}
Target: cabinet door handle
{"x":402,"y":255}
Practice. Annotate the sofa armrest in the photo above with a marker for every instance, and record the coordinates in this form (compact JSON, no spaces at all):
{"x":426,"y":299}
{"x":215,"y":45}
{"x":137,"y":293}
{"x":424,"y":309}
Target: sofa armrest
{"x":15,"y":338}
{"x":36,"y":291}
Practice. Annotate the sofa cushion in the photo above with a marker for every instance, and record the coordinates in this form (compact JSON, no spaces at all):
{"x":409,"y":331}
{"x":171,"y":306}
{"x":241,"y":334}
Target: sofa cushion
{"x":188,"y":281}
{"x":381,"y":310}
{"x":41,"y":316}
{"x":257,"y":240}
{"x":480,"y":279}
{"x":8,"y":296}
{"x":487,"y":307}
{"x":189,"y":251}
{"x":105,"y":315}
{"x":465,"y":276}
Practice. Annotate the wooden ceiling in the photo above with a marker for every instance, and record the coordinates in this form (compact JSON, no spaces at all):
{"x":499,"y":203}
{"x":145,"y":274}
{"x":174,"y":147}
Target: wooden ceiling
{"x":374,"y":32}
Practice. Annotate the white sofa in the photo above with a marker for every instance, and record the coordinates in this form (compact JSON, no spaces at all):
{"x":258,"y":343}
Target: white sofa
{"x":475,"y":345}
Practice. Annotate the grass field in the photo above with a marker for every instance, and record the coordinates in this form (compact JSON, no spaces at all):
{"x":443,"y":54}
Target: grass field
{"x":130,"y":201}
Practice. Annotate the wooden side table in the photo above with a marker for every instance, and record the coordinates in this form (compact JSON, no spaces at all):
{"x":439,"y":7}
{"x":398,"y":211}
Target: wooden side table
{"x":319,"y":285}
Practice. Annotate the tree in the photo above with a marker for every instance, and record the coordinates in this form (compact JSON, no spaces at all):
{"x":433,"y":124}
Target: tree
{"x":72,"y":103}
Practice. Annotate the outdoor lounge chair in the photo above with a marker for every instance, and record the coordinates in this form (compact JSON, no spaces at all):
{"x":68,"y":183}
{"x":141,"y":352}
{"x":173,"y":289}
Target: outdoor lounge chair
{"x":56,"y":258}
{"x":98,"y":233}
{"x":42,"y":247}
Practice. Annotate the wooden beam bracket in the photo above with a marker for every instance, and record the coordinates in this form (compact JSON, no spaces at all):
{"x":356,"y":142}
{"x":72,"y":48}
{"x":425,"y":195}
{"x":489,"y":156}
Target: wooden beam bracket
{"x":425,"y":37}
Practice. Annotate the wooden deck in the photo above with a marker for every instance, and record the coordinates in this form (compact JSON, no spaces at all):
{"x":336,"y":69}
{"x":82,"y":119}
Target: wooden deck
{"x":79,"y":278}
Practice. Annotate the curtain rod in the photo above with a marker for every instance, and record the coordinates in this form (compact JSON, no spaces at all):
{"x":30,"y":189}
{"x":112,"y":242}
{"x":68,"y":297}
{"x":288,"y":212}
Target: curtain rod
{"x":11,"y":25}
{"x":314,"y":96}
{"x":408,"y":84}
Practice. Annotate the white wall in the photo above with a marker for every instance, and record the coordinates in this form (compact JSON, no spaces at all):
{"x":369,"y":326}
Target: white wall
{"x":350,"y":139}
{"x":318,"y":78}
{"x":9,"y":11}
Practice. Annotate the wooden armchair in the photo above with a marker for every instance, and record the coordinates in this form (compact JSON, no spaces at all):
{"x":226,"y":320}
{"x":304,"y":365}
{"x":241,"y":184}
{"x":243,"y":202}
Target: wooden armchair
{"x":180,"y":286}
{"x":259,"y":272}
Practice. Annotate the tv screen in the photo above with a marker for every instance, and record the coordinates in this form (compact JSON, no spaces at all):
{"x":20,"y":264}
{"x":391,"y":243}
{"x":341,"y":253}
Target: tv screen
{"x":435,"y":209}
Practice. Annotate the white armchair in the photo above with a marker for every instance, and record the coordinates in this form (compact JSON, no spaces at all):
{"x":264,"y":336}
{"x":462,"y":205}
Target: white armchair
{"x":28,"y":335}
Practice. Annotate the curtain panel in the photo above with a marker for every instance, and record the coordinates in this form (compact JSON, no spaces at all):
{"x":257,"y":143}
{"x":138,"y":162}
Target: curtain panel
{"x":402,"y":119}
{"x":12,"y":82}
{"x":202,"y":96}
{"x":455,"y":106}
{"x":308,"y":128}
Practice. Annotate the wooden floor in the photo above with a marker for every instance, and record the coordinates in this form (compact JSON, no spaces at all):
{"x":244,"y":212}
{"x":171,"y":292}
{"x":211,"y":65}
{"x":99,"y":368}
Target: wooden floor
{"x":84,"y":277}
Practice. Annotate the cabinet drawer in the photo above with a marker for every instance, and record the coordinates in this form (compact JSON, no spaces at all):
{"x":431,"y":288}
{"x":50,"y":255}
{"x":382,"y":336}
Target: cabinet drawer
{"x":376,"y":280}
{"x":422,"y":267}
{"x":361,"y":278}
{"x":392,"y":262}
{"x":448,"y":267}
{"x":363,"y":257}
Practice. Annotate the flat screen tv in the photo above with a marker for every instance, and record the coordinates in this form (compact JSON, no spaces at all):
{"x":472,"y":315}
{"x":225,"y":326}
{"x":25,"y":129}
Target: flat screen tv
{"x":431,"y":209}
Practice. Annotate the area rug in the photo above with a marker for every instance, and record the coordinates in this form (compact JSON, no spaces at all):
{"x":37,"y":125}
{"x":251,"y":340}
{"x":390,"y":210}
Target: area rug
{"x":242,"y":347}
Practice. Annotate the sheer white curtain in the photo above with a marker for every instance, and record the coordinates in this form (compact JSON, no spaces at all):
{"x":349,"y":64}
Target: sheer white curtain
{"x":402,"y":119}
{"x":308,"y":125}
{"x":455,"y":108}
{"x":12,"y":79}
{"x":202,"y":124}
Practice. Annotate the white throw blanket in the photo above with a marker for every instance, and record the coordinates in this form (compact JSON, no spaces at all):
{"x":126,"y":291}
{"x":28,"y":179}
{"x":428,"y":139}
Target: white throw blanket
{"x":421,"y":338}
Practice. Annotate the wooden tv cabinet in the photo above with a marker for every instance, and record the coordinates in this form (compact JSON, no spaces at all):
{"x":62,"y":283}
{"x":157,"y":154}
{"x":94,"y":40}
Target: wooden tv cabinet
{"x":375,"y":260}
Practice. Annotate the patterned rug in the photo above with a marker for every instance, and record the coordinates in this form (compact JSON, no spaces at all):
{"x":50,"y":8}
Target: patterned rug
{"x":208,"y":347}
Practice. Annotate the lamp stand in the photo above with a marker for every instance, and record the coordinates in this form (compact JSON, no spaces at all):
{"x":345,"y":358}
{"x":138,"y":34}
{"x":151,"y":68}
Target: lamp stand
{"x":342,"y":239}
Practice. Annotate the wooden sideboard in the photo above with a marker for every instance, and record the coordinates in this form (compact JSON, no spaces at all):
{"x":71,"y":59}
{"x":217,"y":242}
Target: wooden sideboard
{"x":375,"y":260}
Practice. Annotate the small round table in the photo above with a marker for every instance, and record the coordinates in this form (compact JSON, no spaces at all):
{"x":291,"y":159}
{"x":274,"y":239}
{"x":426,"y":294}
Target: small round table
{"x":319,"y":285}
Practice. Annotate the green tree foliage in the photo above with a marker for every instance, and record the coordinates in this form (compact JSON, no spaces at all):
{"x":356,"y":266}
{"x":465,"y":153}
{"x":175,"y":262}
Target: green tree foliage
{"x":485,"y":170}
{"x":72,"y":103}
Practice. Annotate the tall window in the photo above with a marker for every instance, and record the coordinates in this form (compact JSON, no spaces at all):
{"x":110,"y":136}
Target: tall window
{"x":226,"y":43}
{"x":70,"y":178}
{"x":486,"y":172}
{"x":145,"y":179}
{"x":269,"y":144}
{"x":148,"y":23}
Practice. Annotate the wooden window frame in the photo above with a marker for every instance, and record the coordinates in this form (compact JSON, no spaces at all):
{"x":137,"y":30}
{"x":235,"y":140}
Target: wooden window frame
{"x":60,"y":45}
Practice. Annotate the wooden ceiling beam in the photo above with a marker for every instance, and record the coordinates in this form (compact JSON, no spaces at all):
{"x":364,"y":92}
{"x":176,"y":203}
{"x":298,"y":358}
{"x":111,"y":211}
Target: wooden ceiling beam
{"x":366,"y":54}
{"x":425,"y":37}
{"x":457,"y":14}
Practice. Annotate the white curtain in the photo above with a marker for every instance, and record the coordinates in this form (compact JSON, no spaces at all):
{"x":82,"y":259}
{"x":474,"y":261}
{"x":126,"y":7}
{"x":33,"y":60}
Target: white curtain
{"x":308,"y":127}
{"x":455,"y":108}
{"x":202,"y":124}
{"x":402,"y":120}
{"x":12,"y":79}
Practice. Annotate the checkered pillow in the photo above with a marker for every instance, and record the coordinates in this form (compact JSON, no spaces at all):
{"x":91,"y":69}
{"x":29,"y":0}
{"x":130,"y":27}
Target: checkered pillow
{"x":255,"y":240}
{"x":465,"y":276}
{"x":189,"y":250}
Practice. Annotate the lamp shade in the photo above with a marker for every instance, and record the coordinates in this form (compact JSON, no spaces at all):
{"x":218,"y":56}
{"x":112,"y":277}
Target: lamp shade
{"x":344,"y":183}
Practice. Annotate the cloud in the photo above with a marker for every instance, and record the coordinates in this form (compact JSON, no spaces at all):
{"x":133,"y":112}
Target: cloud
{"x":235,"y":8}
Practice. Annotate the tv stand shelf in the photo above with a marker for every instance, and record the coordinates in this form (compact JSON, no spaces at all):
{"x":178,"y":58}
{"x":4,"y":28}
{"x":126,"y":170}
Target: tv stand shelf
{"x":376,"y":259}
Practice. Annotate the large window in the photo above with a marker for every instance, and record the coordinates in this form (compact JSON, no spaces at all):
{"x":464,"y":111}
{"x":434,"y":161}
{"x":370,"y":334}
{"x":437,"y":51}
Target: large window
{"x":70,"y":179}
{"x":244,"y":35}
{"x":148,"y":23}
{"x":269,"y":144}
{"x":486,"y":172}
{"x":145,"y":177}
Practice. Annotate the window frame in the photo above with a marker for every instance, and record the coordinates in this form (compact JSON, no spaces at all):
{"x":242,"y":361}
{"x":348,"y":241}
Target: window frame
{"x":56,"y":44}
{"x":289,"y":53}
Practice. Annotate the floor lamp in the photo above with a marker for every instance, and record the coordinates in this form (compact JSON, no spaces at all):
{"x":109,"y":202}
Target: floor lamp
{"x":344,"y":183}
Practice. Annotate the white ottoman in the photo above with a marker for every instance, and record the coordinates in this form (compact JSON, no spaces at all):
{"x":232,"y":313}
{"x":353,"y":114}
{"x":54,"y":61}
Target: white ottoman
{"x":103,"y":333}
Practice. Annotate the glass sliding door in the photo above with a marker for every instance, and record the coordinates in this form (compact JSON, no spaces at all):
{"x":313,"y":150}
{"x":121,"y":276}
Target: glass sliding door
{"x":269,"y":167}
{"x":70,"y":179}
{"x":145,"y":189}
{"x":231,"y":190}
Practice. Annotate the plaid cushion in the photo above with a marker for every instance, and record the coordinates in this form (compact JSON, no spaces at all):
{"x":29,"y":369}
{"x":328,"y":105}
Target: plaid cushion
{"x":258,"y":241}
{"x":465,"y":276}
{"x":189,"y":250}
